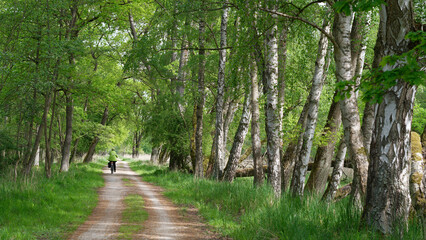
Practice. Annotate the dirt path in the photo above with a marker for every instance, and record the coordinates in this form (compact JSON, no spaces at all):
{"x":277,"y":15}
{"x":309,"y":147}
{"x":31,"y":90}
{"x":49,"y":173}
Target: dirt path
{"x":165,"y":220}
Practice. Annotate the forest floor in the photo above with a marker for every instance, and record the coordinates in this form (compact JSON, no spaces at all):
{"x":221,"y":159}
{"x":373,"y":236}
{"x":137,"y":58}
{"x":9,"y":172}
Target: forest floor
{"x":165,"y":219}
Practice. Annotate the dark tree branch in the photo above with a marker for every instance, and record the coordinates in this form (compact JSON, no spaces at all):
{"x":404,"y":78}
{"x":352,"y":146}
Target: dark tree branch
{"x":330,"y":37}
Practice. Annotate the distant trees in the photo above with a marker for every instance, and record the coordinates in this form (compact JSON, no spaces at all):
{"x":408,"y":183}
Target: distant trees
{"x":174,"y":76}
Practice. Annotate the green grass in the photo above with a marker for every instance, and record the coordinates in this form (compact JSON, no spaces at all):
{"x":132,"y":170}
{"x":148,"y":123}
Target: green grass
{"x":41,"y":208}
{"x":242,"y":212}
{"x":133,"y":216}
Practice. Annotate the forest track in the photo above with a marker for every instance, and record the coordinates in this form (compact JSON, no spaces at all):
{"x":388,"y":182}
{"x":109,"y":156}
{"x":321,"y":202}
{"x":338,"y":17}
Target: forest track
{"x":165,"y":220}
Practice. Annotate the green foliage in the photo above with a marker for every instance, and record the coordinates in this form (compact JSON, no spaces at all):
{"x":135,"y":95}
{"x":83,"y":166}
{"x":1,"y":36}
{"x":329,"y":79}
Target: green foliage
{"x":41,"y":208}
{"x":406,"y":67}
{"x":242,"y":212}
{"x":347,"y":6}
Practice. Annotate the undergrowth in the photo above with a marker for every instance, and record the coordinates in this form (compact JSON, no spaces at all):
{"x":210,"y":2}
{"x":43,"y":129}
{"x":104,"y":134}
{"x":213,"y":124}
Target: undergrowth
{"x":41,"y":208}
{"x":242,"y":212}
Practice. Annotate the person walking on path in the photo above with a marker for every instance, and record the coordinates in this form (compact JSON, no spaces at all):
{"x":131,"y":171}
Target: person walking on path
{"x":112,"y":160}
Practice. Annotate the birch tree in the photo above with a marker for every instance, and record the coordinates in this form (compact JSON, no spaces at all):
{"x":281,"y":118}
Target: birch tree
{"x":219,"y":161}
{"x":388,"y":195}
{"x":301,"y":166}
{"x":271,"y":111}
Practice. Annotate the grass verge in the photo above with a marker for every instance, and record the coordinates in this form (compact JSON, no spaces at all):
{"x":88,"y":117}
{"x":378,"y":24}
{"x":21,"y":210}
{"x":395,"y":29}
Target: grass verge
{"x":41,"y":208}
{"x":242,"y":212}
{"x":133,"y":216}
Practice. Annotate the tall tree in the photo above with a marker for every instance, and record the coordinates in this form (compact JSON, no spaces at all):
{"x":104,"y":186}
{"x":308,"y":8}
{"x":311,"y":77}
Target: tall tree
{"x":219,"y":161}
{"x":271,"y":111}
{"x":301,"y":166}
{"x":199,"y":157}
{"x":388,"y":195}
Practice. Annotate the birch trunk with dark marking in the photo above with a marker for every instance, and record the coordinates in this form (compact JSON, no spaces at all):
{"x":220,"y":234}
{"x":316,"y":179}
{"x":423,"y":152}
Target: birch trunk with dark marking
{"x":271,"y":110}
{"x":89,"y":156}
{"x":290,"y":155}
{"x":349,"y":107}
{"x":219,"y":162}
{"x":301,"y":166}
{"x":255,"y":127}
{"x":182,"y":72}
{"x":282,"y":60}
{"x":336,"y":175}
{"x":228,"y":118}
{"x":388,"y":195}
{"x":237,"y":146}
{"x":199,"y":157}
{"x":322,"y":162}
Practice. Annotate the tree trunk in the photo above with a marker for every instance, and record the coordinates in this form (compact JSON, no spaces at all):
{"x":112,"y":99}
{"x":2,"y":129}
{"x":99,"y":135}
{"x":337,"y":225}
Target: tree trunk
{"x":271,"y":111}
{"x":282,"y":60}
{"x":182,"y":72}
{"x":66,"y":148}
{"x":349,"y":107}
{"x":36,"y":144}
{"x":300,"y":169}
{"x":48,"y":140}
{"x":199,"y":157}
{"x":322,"y":163}
{"x":334,"y":183}
{"x":219,"y":162}
{"x":416,"y":184}
{"x":155,"y":155}
{"x":388,"y":195}
{"x":240,"y":135}
{"x":291,"y":152}
{"x":255,"y":127}
{"x":89,"y":156}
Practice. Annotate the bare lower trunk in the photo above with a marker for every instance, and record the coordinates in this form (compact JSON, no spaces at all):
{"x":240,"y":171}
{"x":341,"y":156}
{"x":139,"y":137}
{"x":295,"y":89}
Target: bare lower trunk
{"x":155,"y":155}
{"x":240,"y":135}
{"x":219,"y":161}
{"x":48,"y":139}
{"x":336,"y":175}
{"x":282,"y":60}
{"x":40,"y":130}
{"x":388,"y":195}
{"x":349,"y":107}
{"x":66,"y":148}
{"x":300,"y":169}
{"x":255,"y":128}
{"x":199,"y":157}
{"x":271,"y":111}
{"x":95,"y":141}
{"x":322,"y":163}
{"x":290,"y":155}
{"x":368,"y":124}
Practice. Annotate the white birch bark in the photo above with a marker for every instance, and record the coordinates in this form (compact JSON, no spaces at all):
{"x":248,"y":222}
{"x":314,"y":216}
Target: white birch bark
{"x":240,"y":135}
{"x":199,"y":157}
{"x":300,"y":169}
{"x":271,"y":111}
{"x":255,"y":127}
{"x":220,"y":149}
{"x":349,"y":107}
{"x":388,"y":195}
{"x":336,"y":175}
